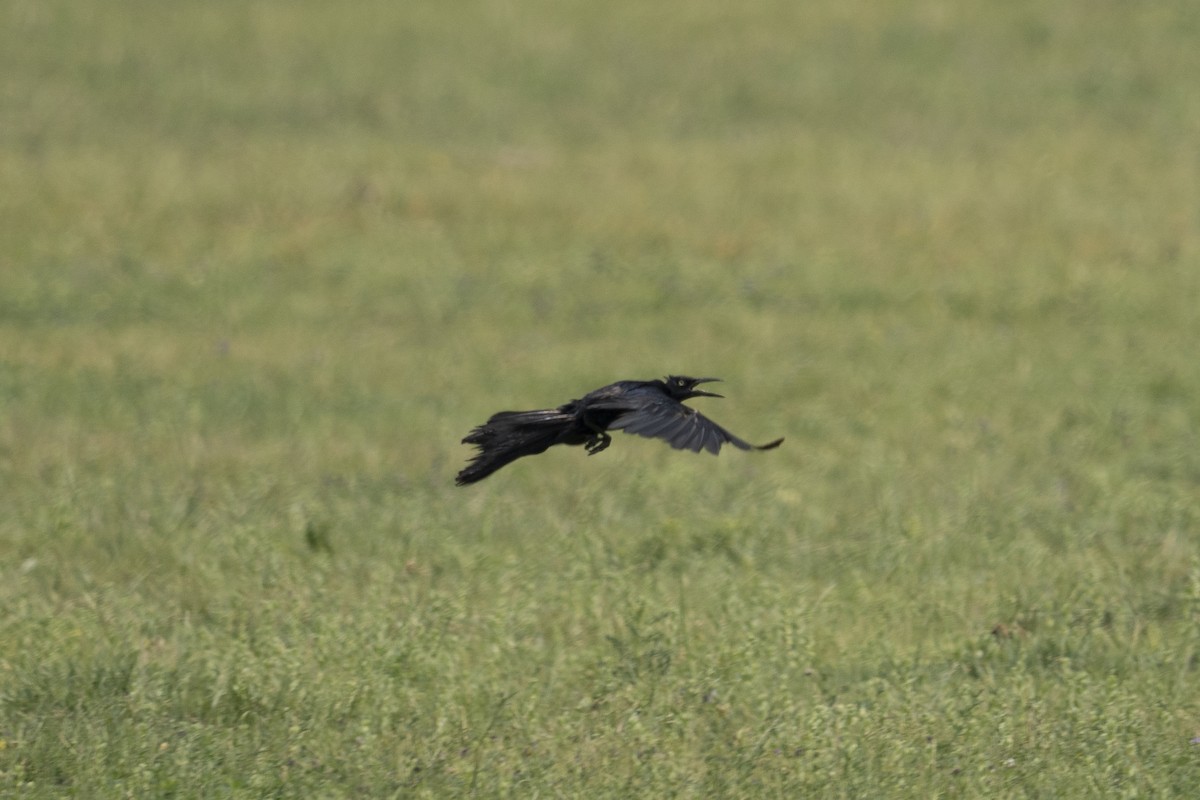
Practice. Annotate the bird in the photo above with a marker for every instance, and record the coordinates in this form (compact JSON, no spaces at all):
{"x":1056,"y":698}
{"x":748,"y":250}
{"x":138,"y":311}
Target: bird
{"x":652,"y":408}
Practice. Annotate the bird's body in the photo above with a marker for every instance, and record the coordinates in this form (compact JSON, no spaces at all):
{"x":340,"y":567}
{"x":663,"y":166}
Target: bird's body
{"x":647,"y":408}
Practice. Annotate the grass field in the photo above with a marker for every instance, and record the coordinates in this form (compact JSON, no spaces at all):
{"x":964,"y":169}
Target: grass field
{"x":262,"y":265}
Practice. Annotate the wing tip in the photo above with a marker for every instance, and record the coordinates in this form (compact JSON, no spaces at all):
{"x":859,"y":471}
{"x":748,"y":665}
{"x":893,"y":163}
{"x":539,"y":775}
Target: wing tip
{"x":770,"y":445}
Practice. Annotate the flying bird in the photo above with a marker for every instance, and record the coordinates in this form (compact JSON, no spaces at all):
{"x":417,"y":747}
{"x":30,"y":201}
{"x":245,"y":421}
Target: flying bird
{"x":653,"y":409}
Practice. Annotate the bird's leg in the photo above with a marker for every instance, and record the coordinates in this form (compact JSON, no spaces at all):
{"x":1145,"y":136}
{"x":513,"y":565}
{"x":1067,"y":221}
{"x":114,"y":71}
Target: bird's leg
{"x":597,"y":443}
{"x":599,"y":439}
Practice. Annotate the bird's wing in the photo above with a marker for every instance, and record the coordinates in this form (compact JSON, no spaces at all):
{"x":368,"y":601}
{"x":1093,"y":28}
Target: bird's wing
{"x":683,"y":428}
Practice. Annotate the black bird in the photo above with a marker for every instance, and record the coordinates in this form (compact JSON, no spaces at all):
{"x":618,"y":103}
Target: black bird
{"x":647,"y":408}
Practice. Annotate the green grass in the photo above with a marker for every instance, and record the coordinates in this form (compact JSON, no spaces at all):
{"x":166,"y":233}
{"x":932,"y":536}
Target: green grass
{"x":262,"y":265}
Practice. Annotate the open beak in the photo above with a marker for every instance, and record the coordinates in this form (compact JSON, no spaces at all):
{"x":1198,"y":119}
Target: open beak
{"x":699,"y":393}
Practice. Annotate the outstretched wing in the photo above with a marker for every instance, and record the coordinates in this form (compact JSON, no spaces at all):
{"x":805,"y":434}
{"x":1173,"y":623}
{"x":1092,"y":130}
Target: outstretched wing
{"x":683,"y":428}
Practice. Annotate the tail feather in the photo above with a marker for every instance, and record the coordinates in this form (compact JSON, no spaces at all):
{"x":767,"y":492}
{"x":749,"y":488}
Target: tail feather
{"x":509,"y":435}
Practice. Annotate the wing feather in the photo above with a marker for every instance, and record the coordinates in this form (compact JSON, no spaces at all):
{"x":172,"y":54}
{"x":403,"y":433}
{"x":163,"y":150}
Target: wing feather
{"x":682,"y":427}
{"x":679,"y":433}
{"x":695,"y":439}
{"x":650,"y":425}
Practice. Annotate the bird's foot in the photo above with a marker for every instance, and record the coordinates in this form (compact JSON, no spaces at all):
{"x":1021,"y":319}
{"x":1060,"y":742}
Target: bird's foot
{"x":597,"y":443}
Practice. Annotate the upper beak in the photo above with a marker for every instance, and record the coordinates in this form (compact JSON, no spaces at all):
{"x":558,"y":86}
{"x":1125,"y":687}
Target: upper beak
{"x":699,"y":393}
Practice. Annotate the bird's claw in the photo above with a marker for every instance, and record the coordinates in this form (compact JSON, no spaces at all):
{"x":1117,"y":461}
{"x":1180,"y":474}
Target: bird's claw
{"x":597,"y":443}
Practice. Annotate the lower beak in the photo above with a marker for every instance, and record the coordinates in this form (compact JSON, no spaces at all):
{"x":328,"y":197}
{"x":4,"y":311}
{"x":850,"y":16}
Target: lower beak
{"x":699,"y":393}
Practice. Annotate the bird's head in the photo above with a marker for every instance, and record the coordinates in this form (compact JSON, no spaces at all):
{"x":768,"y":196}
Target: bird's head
{"x":681,"y":387}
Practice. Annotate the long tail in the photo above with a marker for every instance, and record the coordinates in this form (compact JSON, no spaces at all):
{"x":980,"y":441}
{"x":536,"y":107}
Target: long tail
{"x":510,"y":435}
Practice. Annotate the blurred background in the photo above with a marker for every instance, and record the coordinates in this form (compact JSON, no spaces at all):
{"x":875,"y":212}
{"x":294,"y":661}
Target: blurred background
{"x":263,"y":264}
